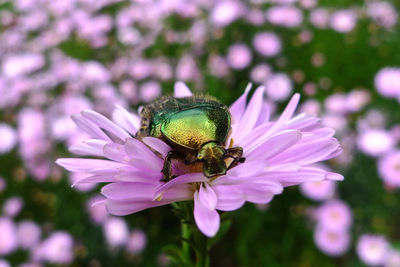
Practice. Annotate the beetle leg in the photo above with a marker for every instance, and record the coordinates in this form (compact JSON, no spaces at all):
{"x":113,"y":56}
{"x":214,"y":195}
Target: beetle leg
{"x":236,"y":154}
{"x":167,"y":170}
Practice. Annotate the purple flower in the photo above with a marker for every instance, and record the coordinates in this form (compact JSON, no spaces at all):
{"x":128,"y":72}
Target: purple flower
{"x":285,"y":15}
{"x":372,"y":249}
{"x":8,"y":138}
{"x":389,"y":168}
{"x":332,"y":242}
{"x":375,"y":142}
{"x":13,"y":206}
{"x":116,"y":231}
{"x":4,"y":263}
{"x":267,"y":44}
{"x":136,"y":242}
{"x":28,"y":234}
{"x":321,"y":190}
{"x":225,"y":12}
{"x":57,"y":249}
{"x":343,"y":20}
{"x":239,"y":56}
{"x":334,"y":215}
{"x":278,"y":154}
{"x":387,"y":82}
{"x":8,"y":236}
{"x":278,"y":86}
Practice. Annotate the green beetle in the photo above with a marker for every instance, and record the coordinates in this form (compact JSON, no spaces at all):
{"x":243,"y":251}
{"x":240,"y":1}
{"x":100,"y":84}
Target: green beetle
{"x":196,"y":128}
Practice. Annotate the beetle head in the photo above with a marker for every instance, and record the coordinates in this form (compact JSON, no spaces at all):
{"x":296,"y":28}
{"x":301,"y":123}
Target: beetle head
{"x":212,"y":155}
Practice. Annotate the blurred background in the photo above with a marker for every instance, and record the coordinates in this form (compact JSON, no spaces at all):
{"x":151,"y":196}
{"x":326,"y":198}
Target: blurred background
{"x":59,"y":57}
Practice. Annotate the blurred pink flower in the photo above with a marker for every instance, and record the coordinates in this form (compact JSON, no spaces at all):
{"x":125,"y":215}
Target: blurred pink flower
{"x":136,"y":242}
{"x":218,"y":66}
{"x":13,"y":206}
{"x":336,"y":103}
{"x":278,"y":86}
{"x":8,"y":138}
{"x":225,"y":12}
{"x":311,"y":106}
{"x":387,"y":82}
{"x":149,"y":91}
{"x":260,"y":73}
{"x":332,"y":242}
{"x":343,"y":20}
{"x":285,"y":15}
{"x":389,"y":168}
{"x":383,"y":12}
{"x":187,"y":69}
{"x":375,"y":142}
{"x":267,"y":44}
{"x":115,"y":231}
{"x":278,"y":154}
{"x":56,"y":249}
{"x":4,"y":263}
{"x":28,"y":234}
{"x":321,"y":190}
{"x":21,"y":64}
{"x":334,"y":215}
{"x":319,"y":17}
{"x":372,"y":249}
{"x":392,"y":258}
{"x":357,"y":99}
{"x":239,"y":56}
{"x":8,"y":236}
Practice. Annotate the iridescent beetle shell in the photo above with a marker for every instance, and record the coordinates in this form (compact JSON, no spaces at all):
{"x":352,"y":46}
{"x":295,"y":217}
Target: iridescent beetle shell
{"x":196,"y":128}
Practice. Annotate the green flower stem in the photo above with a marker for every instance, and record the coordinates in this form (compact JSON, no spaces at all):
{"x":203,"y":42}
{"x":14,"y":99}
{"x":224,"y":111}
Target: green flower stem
{"x":194,"y":245}
{"x":186,"y":233}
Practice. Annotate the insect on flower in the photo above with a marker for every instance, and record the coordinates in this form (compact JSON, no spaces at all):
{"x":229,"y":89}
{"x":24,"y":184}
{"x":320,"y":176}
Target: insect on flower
{"x":196,"y":128}
{"x":193,"y":148}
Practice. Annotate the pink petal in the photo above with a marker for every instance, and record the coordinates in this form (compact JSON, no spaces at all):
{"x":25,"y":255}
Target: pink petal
{"x":265,"y":111}
{"x":126,"y":120}
{"x":86,"y":165}
{"x":334,"y":176}
{"x":266,"y":180}
{"x":306,"y":174}
{"x":285,"y":116}
{"x":207,"y":220}
{"x":181,"y":90}
{"x":125,"y":207}
{"x":121,"y":206}
{"x":229,"y":197}
{"x":308,"y":153}
{"x":157,"y":145}
{"x":257,"y":194}
{"x":274,"y":145}
{"x":238,"y":107}
{"x":137,"y":150}
{"x":129,"y":191}
{"x":247,"y":169}
{"x":89,"y":127}
{"x":94,"y":179}
{"x":250,"y":116}
{"x":86,"y":150}
{"x":303,"y":121}
{"x":147,"y":165}
{"x":207,"y":196}
{"x":115,"y":152}
{"x":105,"y":123}
{"x":182,"y":179}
